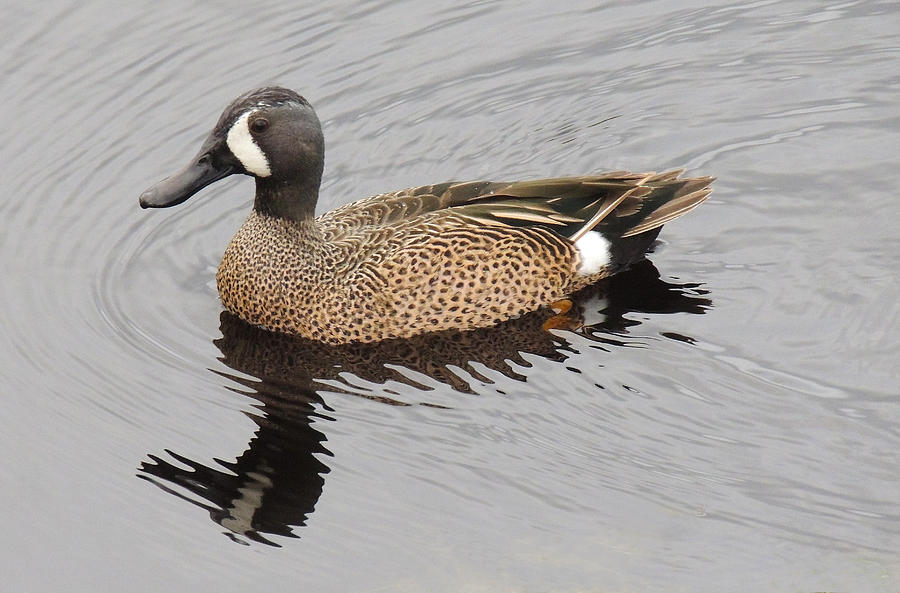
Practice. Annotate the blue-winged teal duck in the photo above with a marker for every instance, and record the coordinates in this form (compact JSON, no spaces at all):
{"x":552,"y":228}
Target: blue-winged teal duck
{"x":445,"y":256}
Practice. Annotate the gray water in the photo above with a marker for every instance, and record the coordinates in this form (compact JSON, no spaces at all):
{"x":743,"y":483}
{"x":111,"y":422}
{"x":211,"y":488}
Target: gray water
{"x":728,"y":420}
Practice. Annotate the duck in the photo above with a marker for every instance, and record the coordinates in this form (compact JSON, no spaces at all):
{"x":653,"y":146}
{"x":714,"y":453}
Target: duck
{"x":447,"y":256}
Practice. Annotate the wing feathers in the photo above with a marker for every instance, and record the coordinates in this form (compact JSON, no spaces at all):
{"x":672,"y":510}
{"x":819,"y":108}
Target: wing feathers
{"x":618,"y":203}
{"x":670,"y":211}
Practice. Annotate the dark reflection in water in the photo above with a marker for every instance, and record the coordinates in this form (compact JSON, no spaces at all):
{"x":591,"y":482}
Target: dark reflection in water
{"x":274,"y":485}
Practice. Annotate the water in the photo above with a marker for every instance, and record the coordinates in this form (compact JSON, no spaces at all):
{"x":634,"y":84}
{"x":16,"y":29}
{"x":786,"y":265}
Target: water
{"x":727,"y":422}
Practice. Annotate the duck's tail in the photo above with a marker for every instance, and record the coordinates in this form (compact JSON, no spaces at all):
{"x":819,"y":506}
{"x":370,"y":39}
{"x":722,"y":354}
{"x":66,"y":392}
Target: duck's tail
{"x":630,"y":222}
{"x":645,"y":204}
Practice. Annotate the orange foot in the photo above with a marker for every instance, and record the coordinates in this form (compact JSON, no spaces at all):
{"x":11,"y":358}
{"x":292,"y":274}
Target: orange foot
{"x":562,"y":306}
{"x":562,"y":320}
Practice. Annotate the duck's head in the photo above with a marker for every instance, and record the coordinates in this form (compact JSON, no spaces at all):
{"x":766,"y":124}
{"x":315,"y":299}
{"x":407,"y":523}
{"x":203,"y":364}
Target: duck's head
{"x":271,"y":134}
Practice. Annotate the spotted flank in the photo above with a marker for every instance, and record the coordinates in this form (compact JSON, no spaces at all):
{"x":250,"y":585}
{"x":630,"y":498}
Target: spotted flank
{"x":437,"y":257}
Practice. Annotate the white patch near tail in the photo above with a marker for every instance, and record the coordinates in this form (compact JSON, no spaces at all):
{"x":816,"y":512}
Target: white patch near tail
{"x":244,"y":147}
{"x":594,"y":251}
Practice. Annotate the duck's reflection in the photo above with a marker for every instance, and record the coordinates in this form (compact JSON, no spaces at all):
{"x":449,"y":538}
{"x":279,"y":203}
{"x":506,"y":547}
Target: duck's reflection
{"x":274,"y":485}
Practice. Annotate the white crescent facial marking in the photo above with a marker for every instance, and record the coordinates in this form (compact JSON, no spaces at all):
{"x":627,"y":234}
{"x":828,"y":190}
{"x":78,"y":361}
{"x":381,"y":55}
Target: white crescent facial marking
{"x":594,"y":251}
{"x":243,"y":146}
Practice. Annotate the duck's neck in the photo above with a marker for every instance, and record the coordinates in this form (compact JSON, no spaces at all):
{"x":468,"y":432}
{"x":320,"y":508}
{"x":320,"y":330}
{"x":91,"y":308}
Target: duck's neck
{"x":293,"y":199}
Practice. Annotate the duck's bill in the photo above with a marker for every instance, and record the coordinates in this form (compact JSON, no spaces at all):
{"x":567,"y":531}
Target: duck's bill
{"x":184,"y":184}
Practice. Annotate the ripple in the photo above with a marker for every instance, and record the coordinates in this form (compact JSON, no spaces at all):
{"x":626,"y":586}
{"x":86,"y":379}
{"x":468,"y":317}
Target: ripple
{"x":637,"y":452}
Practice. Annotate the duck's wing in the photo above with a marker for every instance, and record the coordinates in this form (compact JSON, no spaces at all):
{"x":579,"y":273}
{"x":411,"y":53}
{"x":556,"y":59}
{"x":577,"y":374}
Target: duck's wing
{"x":618,"y":204}
{"x":398,"y":207}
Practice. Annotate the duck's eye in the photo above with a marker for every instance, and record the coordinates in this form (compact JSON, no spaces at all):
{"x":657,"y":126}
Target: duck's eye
{"x":259,"y":125}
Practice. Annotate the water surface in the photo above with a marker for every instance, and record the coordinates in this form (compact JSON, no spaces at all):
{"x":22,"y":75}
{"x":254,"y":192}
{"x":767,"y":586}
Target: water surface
{"x":726,"y":420}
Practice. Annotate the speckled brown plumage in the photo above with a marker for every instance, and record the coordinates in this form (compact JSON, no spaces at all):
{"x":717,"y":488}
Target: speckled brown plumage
{"x":286,"y":360}
{"x":437,"y":257}
{"x":396,"y":265}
